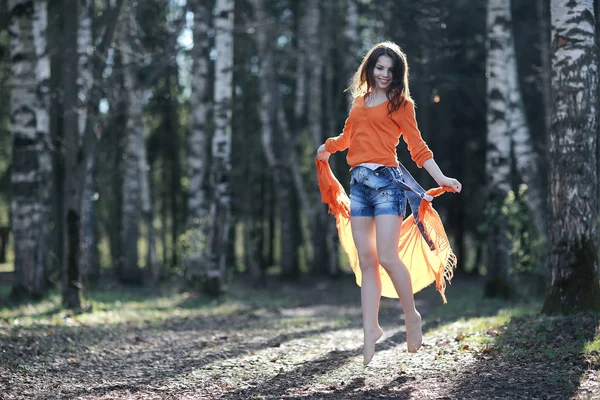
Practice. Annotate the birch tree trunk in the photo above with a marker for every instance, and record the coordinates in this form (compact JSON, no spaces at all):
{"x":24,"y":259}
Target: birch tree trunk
{"x":128,"y":270}
{"x":218,"y":230}
{"x":573,"y":223}
{"x":197,"y":155}
{"x":31,"y":177}
{"x":498,"y":151}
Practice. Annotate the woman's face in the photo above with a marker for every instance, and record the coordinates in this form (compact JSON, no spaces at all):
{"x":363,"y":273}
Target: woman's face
{"x":382,"y":72}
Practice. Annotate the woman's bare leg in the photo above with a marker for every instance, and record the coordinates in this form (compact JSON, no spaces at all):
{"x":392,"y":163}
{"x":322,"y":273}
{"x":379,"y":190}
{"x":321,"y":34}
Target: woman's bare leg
{"x":363,"y":232}
{"x":388,"y":236}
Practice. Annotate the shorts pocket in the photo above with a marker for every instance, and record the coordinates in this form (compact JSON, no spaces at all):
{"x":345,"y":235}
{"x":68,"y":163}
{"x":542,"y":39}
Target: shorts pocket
{"x":377,"y":179}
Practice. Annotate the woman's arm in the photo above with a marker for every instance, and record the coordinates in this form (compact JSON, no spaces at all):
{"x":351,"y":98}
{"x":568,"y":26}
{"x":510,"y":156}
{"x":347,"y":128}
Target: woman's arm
{"x":441,"y":179}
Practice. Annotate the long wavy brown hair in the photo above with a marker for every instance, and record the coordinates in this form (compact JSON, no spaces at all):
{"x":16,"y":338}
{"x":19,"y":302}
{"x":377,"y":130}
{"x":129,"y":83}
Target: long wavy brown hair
{"x":363,"y":79}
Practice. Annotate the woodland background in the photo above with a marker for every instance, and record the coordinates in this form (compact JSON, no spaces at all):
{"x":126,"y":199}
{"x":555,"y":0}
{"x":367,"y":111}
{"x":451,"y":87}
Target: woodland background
{"x":155,"y":141}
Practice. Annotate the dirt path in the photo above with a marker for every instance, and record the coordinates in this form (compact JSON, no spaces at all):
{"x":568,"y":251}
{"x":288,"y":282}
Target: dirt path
{"x":299,"y":342}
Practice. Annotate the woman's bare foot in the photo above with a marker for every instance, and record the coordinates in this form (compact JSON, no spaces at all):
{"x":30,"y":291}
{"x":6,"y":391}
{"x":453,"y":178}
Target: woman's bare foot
{"x":371,"y":337}
{"x":414,"y":336}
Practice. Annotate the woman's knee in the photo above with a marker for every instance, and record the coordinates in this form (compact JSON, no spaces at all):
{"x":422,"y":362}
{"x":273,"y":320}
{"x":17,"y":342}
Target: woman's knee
{"x":389,"y":261}
{"x":367,"y":262}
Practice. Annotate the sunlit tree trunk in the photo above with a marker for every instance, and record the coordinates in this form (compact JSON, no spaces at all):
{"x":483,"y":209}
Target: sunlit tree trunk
{"x":31,"y":177}
{"x":498,"y":166}
{"x":219,"y":212}
{"x":573,"y":223}
{"x":197,"y":156}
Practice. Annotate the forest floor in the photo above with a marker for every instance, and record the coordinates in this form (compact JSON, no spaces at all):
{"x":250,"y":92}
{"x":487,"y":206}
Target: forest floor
{"x":300,"y":341}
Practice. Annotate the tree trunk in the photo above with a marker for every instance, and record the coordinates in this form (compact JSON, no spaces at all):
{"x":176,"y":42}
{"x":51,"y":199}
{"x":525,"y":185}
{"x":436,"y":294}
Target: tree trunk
{"x":31,"y":177}
{"x":573,"y":223}
{"x":218,"y":231}
{"x":171,"y":126}
{"x":498,"y":164}
{"x":55,"y":36}
{"x":148,"y":208}
{"x":197,"y":154}
{"x":89,"y":250}
{"x":72,"y":189}
{"x":315,"y":92}
{"x":129,"y":270}
{"x":331,"y":233}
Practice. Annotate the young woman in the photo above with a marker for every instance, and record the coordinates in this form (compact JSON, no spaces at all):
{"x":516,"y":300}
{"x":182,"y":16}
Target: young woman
{"x":382,"y":112}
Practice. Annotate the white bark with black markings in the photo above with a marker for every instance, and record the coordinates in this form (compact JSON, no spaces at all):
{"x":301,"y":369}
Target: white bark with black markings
{"x":220,"y":204}
{"x":31,"y":175}
{"x":573,"y":258}
{"x":197,"y":143}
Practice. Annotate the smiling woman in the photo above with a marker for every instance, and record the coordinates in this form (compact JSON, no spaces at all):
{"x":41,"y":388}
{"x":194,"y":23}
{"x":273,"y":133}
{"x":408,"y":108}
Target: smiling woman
{"x":378,"y":189}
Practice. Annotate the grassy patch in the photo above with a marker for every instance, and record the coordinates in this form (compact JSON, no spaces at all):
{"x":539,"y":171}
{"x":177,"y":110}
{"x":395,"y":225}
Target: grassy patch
{"x":117,"y":306}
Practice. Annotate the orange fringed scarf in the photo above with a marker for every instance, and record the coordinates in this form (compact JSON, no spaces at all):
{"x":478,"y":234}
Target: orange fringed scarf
{"x":427,"y":261}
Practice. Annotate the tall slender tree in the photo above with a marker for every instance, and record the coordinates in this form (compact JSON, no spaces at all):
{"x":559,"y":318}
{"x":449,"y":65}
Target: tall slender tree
{"x":89,"y":249}
{"x":78,"y":150}
{"x":31,"y":176}
{"x":128,"y":268}
{"x":573,"y":259}
{"x":219,"y":212}
{"x":509,"y":142}
{"x":197,"y":140}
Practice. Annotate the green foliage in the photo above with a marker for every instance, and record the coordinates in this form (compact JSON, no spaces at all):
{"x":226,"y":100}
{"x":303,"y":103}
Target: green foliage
{"x":527,"y":248}
{"x":193,"y":241}
{"x":526,"y":269}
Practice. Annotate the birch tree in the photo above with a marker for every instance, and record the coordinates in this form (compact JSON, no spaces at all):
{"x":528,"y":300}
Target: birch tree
{"x":219,"y":213}
{"x":573,"y":258}
{"x":197,"y":155}
{"x":31,"y":178}
{"x":128,"y":267}
{"x":508,"y":137}
{"x":498,"y":162}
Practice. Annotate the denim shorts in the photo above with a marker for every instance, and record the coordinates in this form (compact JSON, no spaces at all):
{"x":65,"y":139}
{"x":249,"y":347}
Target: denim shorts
{"x":373,"y":192}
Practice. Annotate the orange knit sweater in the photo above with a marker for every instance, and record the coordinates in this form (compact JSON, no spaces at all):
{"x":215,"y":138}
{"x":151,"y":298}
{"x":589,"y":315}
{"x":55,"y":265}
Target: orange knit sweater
{"x":371,"y":135}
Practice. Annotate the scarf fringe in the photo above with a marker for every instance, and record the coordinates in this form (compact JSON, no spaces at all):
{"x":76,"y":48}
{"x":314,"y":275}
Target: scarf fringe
{"x":426,"y":265}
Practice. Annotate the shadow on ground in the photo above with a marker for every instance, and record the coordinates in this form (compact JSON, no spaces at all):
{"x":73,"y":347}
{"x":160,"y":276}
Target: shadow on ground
{"x":532,"y":358}
{"x":125,"y":359}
